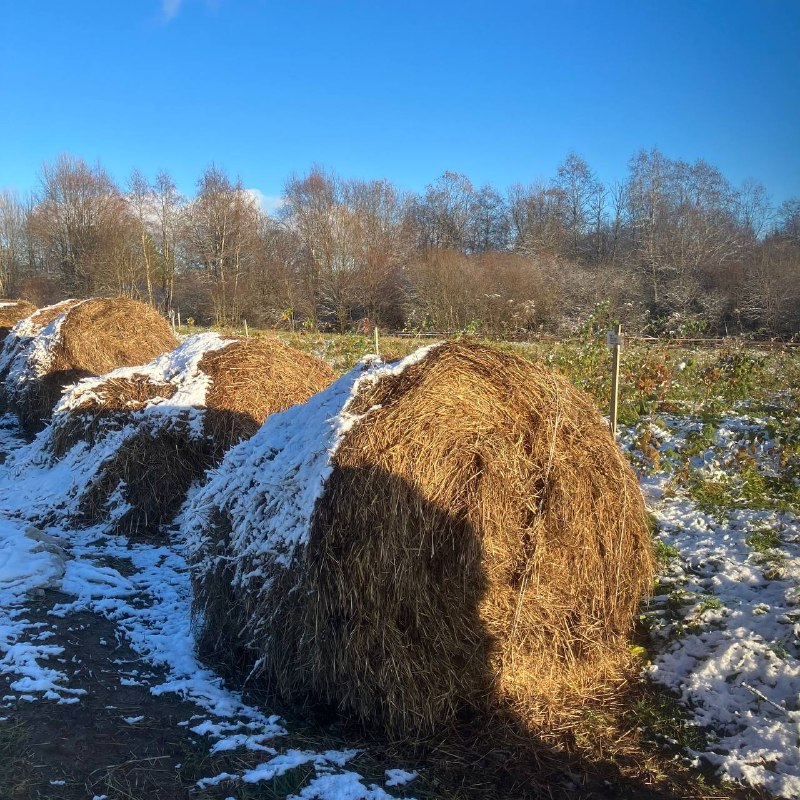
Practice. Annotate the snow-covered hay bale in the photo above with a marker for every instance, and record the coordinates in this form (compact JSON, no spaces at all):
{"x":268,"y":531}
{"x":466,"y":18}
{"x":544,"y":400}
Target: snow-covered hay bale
{"x":457,"y":531}
{"x":27,"y":328}
{"x":19,"y":340}
{"x":162,"y":425}
{"x":11,"y":312}
{"x":69,"y":341}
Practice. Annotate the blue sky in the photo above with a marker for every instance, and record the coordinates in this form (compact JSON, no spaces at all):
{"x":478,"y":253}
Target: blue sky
{"x":500,"y":91}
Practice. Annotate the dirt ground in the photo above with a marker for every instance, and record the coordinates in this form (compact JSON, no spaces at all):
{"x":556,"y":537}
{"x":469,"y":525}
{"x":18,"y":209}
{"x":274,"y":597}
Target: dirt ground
{"x":122,"y":742}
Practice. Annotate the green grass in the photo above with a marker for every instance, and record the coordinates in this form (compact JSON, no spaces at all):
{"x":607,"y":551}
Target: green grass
{"x":663,"y":718}
{"x":763,"y":540}
{"x":664,"y":553}
{"x":745,"y":488}
{"x":15,"y":766}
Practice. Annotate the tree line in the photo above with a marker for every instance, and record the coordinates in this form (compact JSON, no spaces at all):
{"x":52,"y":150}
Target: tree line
{"x":673,"y":246}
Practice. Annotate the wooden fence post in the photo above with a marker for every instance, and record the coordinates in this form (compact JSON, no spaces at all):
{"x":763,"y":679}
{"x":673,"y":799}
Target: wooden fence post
{"x":614,"y":339}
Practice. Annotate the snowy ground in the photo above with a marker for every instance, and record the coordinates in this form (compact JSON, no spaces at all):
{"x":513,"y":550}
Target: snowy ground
{"x":726,"y":618}
{"x":146,"y":596}
{"x":725,"y":621}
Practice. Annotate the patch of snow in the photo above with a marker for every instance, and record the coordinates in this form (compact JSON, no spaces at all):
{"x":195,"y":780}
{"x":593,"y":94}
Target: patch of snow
{"x":26,"y":562}
{"x":28,"y":351}
{"x":281,"y":764}
{"x":733,"y":652}
{"x":204,"y":783}
{"x":399,"y":777}
{"x":180,"y":368}
{"x":344,"y":786}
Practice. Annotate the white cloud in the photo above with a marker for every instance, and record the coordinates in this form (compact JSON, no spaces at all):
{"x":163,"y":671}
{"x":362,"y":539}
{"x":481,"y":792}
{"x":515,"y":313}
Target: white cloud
{"x":170,"y":8}
{"x":268,"y":203}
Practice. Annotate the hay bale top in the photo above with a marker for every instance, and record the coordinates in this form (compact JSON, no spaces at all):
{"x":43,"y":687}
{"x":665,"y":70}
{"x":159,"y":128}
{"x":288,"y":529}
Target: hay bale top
{"x":100,"y":335}
{"x":218,"y":387}
{"x":253,"y":378}
{"x":11,"y":312}
{"x":86,"y":336}
{"x":42,"y":317}
{"x":460,"y":525}
{"x":288,"y":460}
{"x":171,"y":385}
{"x":21,"y":334}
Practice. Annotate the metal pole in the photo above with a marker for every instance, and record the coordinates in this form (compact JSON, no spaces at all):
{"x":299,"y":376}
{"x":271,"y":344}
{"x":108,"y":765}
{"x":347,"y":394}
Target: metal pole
{"x":375,"y":331}
{"x":616,"y":342}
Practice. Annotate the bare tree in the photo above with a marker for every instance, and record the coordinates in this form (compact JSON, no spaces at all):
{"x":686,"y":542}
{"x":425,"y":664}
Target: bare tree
{"x":169,"y":209}
{"x":583,"y":200}
{"x":446,"y":215}
{"x":536,"y":215}
{"x":382,"y":248}
{"x":77,"y":218}
{"x":142,"y":202}
{"x":221,"y":231}
{"x":13,"y":241}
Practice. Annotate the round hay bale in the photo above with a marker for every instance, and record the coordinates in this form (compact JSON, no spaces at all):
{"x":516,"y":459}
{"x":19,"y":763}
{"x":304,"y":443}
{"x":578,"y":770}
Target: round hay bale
{"x":251,"y":379}
{"x":86,"y":338}
{"x":19,"y":342}
{"x":456,"y":533}
{"x":169,"y":421}
{"x":27,"y":328}
{"x":11,"y":312}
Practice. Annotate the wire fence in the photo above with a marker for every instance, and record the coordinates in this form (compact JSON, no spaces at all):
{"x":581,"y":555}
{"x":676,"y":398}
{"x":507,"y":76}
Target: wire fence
{"x":710,"y":343}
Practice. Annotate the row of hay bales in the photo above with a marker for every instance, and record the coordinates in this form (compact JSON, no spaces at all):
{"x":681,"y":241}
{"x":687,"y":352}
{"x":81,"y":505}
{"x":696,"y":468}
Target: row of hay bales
{"x":57,"y":346}
{"x":456,"y":533}
{"x":111,"y":378}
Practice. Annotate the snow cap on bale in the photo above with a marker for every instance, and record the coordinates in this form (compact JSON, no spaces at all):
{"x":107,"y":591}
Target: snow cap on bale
{"x":11,"y":312}
{"x":19,"y":341}
{"x":456,"y":531}
{"x":26,"y":329}
{"x":161,"y":425}
{"x":58,"y":346}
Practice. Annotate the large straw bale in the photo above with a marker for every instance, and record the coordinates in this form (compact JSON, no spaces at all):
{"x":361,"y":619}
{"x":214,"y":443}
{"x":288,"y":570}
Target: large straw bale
{"x":77,"y":340}
{"x":19,"y":343}
{"x":454,"y":534}
{"x":175,"y":418}
{"x":27,"y":328}
{"x":11,"y":312}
